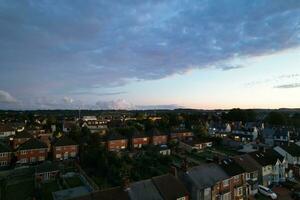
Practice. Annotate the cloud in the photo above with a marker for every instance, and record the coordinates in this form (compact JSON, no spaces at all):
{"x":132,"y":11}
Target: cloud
{"x":275,"y":79}
{"x":119,"y":104}
{"x":68,"y":100}
{"x":288,"y":86}
{"x":6,"y":98}
{"x":230,"y":67}
{"x":54,"y":47}
{"x":158,"y":107}
{"x":97,"y":93}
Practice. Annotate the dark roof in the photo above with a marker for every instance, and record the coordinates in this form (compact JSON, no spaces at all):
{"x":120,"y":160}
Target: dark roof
{"x":292,"y":149}
{"x":46,"y":167}
{"x":5,"y":128}
{"x":64,"y":141}
{"x":137,"y":134}
{"x":247,"y":163}
{"x":145,"y":190}
{"x":32,"y":144}
{"x":156,"y":132}
{"x":268,"y":157}
{"x":231,"y":167}
{"x":23,"y":134}
{"x":268,"y":133}
{"x":4,"y":148}
{"x":116,"y":193}
{"x":169,"y":187}
{"x":206,"y":175}
{"x":195,"y":141}
{"x":114,"y":135}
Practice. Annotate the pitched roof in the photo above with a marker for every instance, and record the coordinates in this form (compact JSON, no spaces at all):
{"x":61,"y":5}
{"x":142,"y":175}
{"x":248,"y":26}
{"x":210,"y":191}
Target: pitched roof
{"x":156,"y":132}
{"x":269,"y":157}
{"x":137,"y":134}
{"x":292,"y":149}
{"x":231,"y":167}
{"x":64,"y":141}
{"x":107,"y":194}
{"x":145,"y":190}
{"x":114,"y":135}
{"x":46,"y":167}
{"x":23,"y":134}
{"x":32,"y":144}
{"x":5,"y":128}
{"x":247,"y":163}
{"x":169,"y":187}
{"x":4,"y":148}
{"x":206,"y":175}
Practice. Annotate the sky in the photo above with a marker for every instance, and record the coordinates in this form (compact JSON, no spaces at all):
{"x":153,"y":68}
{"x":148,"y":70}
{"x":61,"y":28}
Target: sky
{"x":132,"y":54}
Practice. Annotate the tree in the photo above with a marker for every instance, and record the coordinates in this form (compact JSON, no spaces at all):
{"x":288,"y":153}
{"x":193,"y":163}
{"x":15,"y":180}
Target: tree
{"x":276,"y":118}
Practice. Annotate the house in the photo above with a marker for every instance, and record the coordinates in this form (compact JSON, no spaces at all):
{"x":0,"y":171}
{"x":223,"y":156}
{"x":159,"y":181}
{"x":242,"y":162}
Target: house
{"x":273,"y":167}
{"x":46,"y":138}
{"x":164,"y":150}
{"x":245,"y":134}
{"x":5,"y":155}
{"x":68,"y":125}
{"x":32,"y":151}
{"x":138,"y":139}
{"x":64,"y":148}
{"x":165,"y":187}
{"x":218,"y":128}
{"x":6,"y":131}
{"x":170,"y":187}
{"x":235,"y":186}
{"x":158,"y":137}
{"x":281,"y":136}
{"x":178,"y":135}
{"x":46,"y":171}
{"x":195,"y":144}
{"x":116,"y":142}
{"x":251,"y":168}
{"x":291,"y":153}
{"x":20,"y":138}
{"x":268,"y":136}
{"x":95,"y":125}
{"x":203,"y":181}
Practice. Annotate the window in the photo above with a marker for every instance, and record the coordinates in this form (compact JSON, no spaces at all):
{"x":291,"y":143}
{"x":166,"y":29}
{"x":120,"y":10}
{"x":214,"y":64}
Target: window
{"x":58,"y":148}
{"x":145,"y":139}
{"x":226,"y":183}
{"x":58,"y":155}
{"x":237,"y":178}
{"x":226,"y":196}
{"x":240,"y":191}
{"x":3,"y":154}
{"x":41,"y":158}
{"x":73,"y":154}
{"x":3,"y":163}
{"x":32,"y":159}
{"x":23,"y":152}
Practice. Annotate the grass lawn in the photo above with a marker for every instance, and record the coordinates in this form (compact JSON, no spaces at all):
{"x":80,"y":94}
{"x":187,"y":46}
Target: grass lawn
{"x":74,"y":181}
{"x":22,"y":190}
{"x":48,"y":188}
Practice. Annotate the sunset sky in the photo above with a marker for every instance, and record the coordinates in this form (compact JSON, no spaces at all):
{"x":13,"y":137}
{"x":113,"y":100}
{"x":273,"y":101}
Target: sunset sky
{"x":122,"y":54}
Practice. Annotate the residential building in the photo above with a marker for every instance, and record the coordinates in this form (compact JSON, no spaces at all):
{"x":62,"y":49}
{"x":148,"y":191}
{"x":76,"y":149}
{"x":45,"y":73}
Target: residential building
{"x":281,"y":136}
{"x":20,"y":138}
{"x":203,"y":181}
{"x":32,"y":151}
{"x":64,"y":148}
{"x":116,"y":141}
{"x":5,"y":155}
{"x":195,"y":144}
{"x":68,"y":125}
{"x":251,"y":168}
{"x":138,"y":139}
{"x":6,"y":131}
{"x":179,"y":135}
{"x":46,"y":171}
{"x":291,"y":153}
{"x":273,"y":167}
{"x":235,"y":187}
{"x":158,"y":137}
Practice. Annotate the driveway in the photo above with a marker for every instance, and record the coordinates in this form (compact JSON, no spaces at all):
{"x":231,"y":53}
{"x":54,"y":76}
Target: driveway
{"x":283,"y":193}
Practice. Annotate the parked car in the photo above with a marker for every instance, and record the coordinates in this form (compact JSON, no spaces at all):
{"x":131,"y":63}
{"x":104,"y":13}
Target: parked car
{"x":267,"y":192}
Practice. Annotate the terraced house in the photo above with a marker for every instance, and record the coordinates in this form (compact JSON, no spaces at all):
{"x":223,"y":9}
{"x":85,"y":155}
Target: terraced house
{"x":139,"y":139}
{"x":32,"y":151}
{"x":5,"y":155}
{"x":116,"y":142}
{"x":20,"y":138}
{"x":64,"y":148}
{"x":158,"y":137}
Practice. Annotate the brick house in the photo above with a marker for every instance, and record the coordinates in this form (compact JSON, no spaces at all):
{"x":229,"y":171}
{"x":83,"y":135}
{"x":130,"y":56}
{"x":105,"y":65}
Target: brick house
{"x":46,"y":171}
{"x":233,"y":188}
{"x":179,"y":135}
{"x":5,"y":155}
{"x":46,"y":138}
{"x":116,"y":142}
{"x":64,"y":148}
{"x":195,"y":144}
{"x":20,"y":138}
{"x":31,"y":151}
{"x":158,"y":137}
{"x":6,"y":130}
{"x":138,"y":139}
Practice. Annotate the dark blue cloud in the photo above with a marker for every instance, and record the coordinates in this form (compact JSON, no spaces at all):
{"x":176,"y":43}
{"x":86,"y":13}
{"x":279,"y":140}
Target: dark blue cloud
{"x":54,"y":47}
